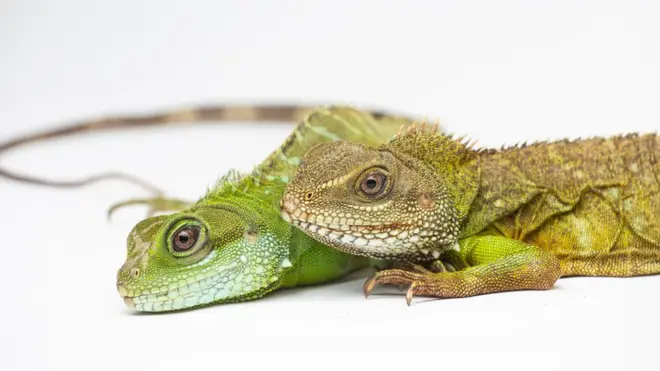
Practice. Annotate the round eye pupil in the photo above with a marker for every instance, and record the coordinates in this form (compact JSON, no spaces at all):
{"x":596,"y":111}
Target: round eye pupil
{"x":185,"y":238}
{"x":374,"y":184}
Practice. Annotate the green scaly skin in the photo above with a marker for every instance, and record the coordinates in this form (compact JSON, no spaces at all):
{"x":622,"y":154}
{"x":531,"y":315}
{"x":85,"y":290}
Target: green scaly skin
{"x":464,"y":222}
{"x":232,"y":245}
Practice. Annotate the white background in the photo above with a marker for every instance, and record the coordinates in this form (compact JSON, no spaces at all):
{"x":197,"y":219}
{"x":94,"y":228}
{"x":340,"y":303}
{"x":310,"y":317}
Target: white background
{"x":498,"y":71}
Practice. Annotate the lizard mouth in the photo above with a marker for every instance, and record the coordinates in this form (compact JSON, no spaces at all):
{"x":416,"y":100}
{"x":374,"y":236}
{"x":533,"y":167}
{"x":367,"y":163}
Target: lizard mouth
{"x":355,"y":227}
{"x":377,"y":240}
{"x":202,"y":290}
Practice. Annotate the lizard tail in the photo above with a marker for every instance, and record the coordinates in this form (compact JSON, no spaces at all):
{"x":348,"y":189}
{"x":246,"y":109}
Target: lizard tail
{"x":193,"y":115}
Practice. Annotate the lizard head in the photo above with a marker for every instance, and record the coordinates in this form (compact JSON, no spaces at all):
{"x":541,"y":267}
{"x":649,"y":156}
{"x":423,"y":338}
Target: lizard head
{"x":219,"y":252}
{"x":378,"y":203}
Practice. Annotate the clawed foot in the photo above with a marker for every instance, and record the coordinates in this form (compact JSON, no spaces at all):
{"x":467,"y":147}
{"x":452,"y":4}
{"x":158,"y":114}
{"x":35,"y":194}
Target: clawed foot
{"x":419,"y":280}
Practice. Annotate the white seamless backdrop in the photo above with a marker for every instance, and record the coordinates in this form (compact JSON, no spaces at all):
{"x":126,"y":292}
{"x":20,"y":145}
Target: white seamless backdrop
{"x":499,"y":71}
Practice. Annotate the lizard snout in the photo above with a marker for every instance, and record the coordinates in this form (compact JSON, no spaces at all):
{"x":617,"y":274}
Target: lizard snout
{"x":289,"y":203}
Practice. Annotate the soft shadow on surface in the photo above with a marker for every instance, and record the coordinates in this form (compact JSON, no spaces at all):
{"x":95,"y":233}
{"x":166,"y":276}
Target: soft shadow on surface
{"x":352,"y":284}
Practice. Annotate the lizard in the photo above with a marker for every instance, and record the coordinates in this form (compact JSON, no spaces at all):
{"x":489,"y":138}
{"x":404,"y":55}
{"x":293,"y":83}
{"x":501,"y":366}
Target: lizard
{"x":460,"y":221}
{"x":235,"y":229}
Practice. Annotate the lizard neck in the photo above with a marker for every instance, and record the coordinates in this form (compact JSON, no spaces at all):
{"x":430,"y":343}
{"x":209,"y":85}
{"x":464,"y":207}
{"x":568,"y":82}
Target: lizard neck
{"x":503,"y":188}
{"x":449,"y":161}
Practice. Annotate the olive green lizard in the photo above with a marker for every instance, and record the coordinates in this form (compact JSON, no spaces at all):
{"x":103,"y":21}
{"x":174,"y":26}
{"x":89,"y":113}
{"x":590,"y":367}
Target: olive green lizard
{"x":460,"y":221}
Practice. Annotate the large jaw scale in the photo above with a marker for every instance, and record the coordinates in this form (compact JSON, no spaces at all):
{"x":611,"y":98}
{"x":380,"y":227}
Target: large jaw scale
{"x":347,"y":231}
{"x":392,"y":241}
{"x":188,"y":291}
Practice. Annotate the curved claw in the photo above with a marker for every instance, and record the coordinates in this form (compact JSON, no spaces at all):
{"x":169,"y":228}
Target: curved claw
{"x":410,"y":293}
{"x":371,"y":282}
{"x":419,"y":280}
{"x":156,"y":204}
{"x":369,"y":285}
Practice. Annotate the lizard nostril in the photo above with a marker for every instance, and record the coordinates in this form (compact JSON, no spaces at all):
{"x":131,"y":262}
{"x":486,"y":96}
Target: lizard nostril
{"x":289,"y":203}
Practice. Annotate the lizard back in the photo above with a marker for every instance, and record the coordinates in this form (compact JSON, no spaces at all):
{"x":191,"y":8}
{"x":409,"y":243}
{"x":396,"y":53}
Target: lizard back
{"x":594,"y":203}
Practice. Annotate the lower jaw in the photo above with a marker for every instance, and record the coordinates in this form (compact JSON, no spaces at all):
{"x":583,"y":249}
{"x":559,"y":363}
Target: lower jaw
{"x":174,"y":305}
{"x":383,"y":251}
{"x":202,"y":296}
{"x":170,"y":305}
{"x":373,"y":252}
{"x":162,"y":306}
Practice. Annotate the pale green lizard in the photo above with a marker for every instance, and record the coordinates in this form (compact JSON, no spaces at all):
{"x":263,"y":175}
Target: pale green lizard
{"x":463,"y":221}
{"x":231,"y":245}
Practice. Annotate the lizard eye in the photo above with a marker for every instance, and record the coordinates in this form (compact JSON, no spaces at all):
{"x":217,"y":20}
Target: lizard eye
{"x":187,"y":238}
{"x":373,"y":183}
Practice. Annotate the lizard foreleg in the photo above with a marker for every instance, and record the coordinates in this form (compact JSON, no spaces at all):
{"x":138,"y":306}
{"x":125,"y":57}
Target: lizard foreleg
{"x":496,"y":264}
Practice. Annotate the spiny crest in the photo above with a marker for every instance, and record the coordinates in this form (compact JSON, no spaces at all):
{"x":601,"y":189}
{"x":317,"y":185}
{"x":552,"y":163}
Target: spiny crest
{"x":525,"y":144}
{"x":414,"y":129}
{"x":231,"y":182}
{"x":419,"y":141}
{"x":233,"y":175}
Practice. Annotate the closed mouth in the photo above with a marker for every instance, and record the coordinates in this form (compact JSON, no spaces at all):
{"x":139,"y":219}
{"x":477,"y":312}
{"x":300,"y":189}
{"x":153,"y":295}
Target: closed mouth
{"x":197,"y":291}
{"x":376,"y":240}
{"x":350,"y":232}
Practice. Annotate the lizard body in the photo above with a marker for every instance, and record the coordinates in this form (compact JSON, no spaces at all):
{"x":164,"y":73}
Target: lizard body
{"x":465,"y":221}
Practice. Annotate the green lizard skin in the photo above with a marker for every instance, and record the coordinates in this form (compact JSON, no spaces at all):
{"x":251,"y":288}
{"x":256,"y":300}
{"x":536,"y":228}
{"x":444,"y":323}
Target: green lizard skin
{"x":232,"y":245}
{"x":464,"y":222}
